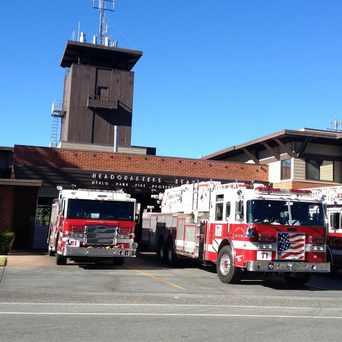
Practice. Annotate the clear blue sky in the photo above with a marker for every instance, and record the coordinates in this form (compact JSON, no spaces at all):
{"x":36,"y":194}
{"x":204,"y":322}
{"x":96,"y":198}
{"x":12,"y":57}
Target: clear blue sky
{"x":214,"y":73}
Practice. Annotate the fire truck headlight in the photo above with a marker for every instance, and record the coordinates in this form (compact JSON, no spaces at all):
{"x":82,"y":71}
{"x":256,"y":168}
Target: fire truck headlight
{"x":270,"y":266}
{"x":314,"y":267}
{"x":266,"y":246}
{"x":318,"y":248}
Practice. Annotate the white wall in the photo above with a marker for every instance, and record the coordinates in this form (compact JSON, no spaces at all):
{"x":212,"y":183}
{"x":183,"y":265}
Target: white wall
{"x":274,"y":172}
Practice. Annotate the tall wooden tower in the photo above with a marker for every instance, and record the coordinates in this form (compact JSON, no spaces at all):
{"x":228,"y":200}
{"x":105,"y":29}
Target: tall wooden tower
{"x":98,"y":94}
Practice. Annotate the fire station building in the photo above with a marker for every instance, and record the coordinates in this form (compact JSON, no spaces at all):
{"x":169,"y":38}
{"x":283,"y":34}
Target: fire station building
{"x":29,"y":176}
{"x":92,"y":148}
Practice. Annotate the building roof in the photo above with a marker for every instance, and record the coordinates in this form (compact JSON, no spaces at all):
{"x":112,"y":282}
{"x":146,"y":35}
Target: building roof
{"x":314,"y":135}
{"x":58,"y":166}
{"x":6,"y":148}
{"x":21,"y":182}
{"x":99,"y":55}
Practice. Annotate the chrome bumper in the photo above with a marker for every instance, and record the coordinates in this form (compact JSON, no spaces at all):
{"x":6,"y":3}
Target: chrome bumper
{"x":98,"y":252}
{"x":288,"y":266}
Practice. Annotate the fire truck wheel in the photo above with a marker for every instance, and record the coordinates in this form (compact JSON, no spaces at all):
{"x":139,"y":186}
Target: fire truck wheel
{"x":297,"y":279}
{"x":162,"y":252}
{"x":333,"y":266}
{"x":60,"y":259}
{"x":226,"y":270}
{"x":171,"y":256}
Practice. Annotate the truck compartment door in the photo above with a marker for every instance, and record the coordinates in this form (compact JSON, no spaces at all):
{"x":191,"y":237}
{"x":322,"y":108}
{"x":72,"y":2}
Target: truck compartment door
{"x":191,"y":239}
{"x":180,"y":235}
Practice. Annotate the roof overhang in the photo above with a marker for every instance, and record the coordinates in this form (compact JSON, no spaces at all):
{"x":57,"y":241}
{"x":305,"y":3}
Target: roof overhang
{"x":314,"y":135}
{"x":99,"y":55}
{"x":21,"y":182}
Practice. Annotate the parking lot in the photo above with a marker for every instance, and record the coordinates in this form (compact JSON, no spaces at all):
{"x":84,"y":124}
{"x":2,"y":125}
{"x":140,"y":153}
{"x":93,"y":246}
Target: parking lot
{"x":144,"y":301}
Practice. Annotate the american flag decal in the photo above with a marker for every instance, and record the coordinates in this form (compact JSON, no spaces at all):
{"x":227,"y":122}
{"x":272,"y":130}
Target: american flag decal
{"x":291,"y":246}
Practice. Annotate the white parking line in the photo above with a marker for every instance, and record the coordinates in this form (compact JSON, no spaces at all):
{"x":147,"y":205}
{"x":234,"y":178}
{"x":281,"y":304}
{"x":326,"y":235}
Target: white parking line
{"x":160,"y":315}
{"x":166,"y":305}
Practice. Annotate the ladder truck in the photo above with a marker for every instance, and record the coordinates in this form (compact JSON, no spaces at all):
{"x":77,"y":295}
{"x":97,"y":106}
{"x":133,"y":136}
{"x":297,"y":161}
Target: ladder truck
{"x":88,"y":224}
{"x":332,"y":198}
{"x":241,"y":228}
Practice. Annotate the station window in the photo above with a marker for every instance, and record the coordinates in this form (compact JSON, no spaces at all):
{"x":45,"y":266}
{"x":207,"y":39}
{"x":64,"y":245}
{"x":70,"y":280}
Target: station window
{"x":313,"y":169}
{"x":286,"y":169}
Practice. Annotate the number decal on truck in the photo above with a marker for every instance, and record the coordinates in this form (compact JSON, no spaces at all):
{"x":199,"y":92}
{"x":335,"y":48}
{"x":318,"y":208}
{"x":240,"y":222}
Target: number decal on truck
{"x":263,"y":255}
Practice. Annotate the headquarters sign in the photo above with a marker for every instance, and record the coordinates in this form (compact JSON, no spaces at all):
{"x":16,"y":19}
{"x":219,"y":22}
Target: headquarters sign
{"x":148,"y":182}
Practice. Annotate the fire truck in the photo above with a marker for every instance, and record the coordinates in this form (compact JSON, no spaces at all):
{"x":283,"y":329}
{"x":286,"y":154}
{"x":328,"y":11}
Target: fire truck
{"x":92,"y":225}
{"x":241,"y":228}
{"x":332,"y":198}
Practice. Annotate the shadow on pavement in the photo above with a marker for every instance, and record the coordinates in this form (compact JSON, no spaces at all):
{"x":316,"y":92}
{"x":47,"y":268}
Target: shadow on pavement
{"x":144,"y":261}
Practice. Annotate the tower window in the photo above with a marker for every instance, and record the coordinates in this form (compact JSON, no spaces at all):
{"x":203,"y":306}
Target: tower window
{"x":102,"y":92}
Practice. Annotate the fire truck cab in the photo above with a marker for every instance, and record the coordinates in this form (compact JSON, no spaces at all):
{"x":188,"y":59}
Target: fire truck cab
{"x":240,"y":228}
{"x":92,"y":224}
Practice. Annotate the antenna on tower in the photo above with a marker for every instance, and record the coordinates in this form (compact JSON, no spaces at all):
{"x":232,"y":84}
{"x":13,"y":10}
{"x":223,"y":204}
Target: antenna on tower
{"x":104,"y":6}
{"x":336,"y":125}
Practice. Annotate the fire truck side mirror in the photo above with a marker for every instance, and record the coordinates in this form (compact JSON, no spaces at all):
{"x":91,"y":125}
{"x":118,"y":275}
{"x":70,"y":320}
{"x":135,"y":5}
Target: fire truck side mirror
{"x":138,"y":208}
{"x":137,"y":211}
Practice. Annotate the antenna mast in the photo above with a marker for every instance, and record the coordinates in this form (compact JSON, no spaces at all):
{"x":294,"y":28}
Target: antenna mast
{"x":103,"y":6}
{"x":336,"y":125}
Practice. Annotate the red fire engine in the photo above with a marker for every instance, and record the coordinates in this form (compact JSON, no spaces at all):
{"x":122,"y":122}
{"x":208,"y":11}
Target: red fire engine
{"x":92,"y":224}
{"x":332,"y":198}
{"x":240,"y":228}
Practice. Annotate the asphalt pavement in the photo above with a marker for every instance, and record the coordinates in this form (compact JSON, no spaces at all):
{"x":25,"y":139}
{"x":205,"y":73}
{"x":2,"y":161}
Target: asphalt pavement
{"x":144,"y":301}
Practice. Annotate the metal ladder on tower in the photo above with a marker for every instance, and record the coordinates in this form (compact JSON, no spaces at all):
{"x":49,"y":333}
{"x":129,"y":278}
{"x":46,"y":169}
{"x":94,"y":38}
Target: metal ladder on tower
{"x":57,"y":113}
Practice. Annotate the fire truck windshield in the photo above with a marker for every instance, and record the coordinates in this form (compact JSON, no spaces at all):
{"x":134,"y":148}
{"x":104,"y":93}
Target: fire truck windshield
{"x":100,"y":210}
{"x":285,"y":212}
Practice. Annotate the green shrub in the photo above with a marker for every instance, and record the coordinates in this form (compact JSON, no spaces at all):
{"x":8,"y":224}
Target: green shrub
{"x":6,"y":242}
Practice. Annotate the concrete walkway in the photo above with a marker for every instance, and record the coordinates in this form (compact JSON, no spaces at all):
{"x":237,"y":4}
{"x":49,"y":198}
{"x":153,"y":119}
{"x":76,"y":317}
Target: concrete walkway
{"x":28,"y":261}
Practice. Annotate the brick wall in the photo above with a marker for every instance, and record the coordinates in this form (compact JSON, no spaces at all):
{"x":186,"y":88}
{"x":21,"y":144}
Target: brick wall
{"x":130,"y":163}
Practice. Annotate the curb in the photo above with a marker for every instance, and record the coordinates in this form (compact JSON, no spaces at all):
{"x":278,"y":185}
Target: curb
{"x":3,"y":261}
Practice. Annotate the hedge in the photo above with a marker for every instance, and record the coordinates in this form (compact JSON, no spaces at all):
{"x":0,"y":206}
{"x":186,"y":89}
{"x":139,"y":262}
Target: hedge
{"x":6,"y":242}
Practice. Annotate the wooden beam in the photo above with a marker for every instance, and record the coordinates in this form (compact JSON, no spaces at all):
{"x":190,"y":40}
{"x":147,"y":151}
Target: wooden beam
{"x":284,"y":147}
{"x":301,"y":150}
{"x":251,"y":155}
{"x":275,"y":153}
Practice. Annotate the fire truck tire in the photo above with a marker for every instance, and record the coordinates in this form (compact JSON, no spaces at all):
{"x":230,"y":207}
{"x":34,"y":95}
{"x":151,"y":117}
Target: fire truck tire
{"x":225,"y":268}
{"x":162,"y":252}
{"x":333,"y":266}
{"x":61,"y":259}
{"x":297,"y":279}
{"x":171,"y":257}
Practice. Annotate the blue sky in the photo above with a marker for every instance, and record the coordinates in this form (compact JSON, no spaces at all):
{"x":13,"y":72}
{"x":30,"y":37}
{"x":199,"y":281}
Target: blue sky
{"x":214,"y":73}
